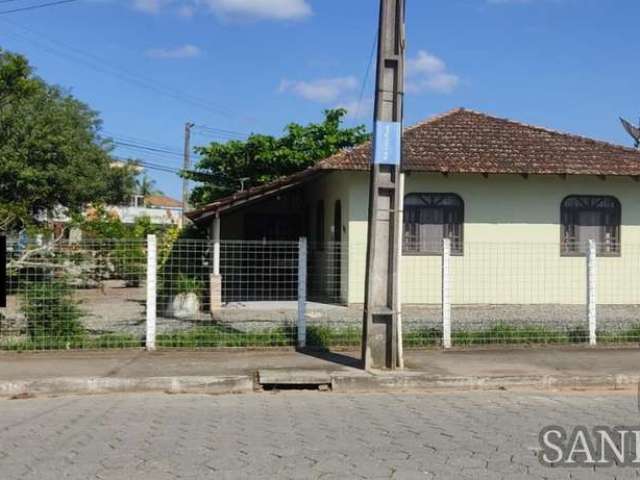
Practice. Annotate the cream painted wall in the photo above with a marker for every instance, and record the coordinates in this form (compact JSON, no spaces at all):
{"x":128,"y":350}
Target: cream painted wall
{"x":512,"y":242}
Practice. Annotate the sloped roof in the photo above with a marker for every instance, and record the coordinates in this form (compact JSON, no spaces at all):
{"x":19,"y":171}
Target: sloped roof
{"x":253,"y":194}
{"x":464,"y":141}
{"x":161,"y":201}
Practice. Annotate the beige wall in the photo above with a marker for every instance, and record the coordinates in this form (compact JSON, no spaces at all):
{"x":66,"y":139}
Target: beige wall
{"x":512,"y":242}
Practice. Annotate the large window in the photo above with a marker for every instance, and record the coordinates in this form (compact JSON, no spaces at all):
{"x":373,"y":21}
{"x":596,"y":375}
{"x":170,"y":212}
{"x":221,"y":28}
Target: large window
{"x":590,"y":217}
{"x":430,"y":217}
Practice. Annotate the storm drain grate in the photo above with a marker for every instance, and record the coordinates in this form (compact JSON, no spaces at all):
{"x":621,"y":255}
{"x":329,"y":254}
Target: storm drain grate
{"x":284,"y":379}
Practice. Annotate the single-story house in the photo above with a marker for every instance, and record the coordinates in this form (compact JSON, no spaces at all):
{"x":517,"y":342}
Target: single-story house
{"x":518,"y":203}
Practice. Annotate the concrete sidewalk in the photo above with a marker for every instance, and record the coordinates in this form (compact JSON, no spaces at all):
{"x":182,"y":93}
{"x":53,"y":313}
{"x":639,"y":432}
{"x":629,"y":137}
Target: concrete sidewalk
{"x":236,"y":371}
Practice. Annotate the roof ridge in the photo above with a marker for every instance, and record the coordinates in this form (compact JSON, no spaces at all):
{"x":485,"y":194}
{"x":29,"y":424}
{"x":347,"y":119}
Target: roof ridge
{"x":435,"y":118}
{"x":347,"y":151}
{"x":551,"y":130}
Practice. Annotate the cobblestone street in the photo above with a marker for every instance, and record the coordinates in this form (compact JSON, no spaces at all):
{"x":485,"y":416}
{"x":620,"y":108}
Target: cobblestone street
{"x":298,"y":435}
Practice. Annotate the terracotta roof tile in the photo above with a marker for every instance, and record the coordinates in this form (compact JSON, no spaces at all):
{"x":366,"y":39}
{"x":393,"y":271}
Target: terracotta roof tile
{"x":463,"y":141}
{"x":162,"y":201}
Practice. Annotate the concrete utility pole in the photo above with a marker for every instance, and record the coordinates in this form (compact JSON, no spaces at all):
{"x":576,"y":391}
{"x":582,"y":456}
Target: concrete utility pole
{"x":382,"y":332}
{"x":186,"y":167}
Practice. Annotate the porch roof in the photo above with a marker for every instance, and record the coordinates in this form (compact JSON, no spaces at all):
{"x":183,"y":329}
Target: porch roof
{"x":464,"y":141}
{"x":253,"y":194}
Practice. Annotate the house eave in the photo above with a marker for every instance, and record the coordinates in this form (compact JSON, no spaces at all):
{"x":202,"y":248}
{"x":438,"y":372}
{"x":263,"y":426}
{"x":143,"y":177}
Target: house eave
{"x":253,"y":195}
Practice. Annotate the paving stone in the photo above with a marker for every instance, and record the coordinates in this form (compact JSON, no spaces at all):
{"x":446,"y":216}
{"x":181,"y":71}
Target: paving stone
{"x":478,"y":435}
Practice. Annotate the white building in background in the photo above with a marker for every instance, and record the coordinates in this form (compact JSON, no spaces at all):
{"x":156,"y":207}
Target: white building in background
{"x":160,"y":209}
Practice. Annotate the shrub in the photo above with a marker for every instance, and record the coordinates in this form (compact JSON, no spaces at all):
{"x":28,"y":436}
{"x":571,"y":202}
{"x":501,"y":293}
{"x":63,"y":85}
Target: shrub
{"x":50,"y":310}
{"x":129,"y":261}
{"x":187,"y":284}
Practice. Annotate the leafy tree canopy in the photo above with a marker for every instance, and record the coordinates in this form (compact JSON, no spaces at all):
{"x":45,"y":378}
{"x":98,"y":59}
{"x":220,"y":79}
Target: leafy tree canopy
{"x":263,"y":158}
{"x":146,"y":186}
{"x":51,"y":152}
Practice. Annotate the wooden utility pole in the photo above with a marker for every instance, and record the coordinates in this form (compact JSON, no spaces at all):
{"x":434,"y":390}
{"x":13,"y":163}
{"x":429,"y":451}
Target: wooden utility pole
{"x":382,"y":331}
{"x":186,"y":167}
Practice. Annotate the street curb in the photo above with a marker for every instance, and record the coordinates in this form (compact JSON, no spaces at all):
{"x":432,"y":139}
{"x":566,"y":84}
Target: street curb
{"x":101,"y":385}
{"x":403,"y":381}
{"x":340,"y":383}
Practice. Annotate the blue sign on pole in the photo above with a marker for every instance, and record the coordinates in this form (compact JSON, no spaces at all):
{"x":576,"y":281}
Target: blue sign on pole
{"x":387,"y":140}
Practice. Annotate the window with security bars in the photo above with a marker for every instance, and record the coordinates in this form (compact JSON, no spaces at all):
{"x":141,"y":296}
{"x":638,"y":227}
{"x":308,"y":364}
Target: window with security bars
{"x":429,"y":218}
{"x":590,"y":217}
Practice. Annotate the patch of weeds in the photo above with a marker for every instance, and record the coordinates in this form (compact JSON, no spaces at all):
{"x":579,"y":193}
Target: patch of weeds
{"x":220,"y":337}
{"x":325,"y":337}
{"x":629,"y":335}
{"x":51,"y":312}
{"x":82,"y":342}
{"x":422,"y":337}
{"x":502,"y":334}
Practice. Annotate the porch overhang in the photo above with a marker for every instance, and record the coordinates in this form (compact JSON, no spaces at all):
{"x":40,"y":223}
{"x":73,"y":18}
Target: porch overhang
{"x":253,"y":195}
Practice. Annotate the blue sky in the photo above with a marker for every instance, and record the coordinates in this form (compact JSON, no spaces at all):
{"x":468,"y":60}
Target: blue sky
{"x":255,"y":65}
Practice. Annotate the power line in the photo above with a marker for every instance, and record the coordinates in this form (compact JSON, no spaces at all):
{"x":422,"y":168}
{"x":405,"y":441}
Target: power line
{"x":221,"y":131}
{"x":35,"y":7}
{"x":137,"y":140}
{"x":146,"y":148}
{"x":212,"y":136}
{"x":149,"y":165}
{"x":98,"y":64}
{"x":135,"y":154}
{"x":365,"y":80}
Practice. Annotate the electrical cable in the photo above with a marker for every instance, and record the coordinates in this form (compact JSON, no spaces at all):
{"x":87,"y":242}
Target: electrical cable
{"x":36,"y":7}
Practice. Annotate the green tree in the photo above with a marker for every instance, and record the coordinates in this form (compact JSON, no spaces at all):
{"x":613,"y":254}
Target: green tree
{"x":121,"y":183}
{"x":146,"y":186}
{"x":262,"y":158}
{"x":51,"y":152}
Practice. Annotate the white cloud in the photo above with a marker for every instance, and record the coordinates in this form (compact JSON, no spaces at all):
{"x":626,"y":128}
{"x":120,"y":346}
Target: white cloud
{"x":261,"y":9}
{"x":183,"y":51}
{"x":356,"y":109}
{"x":187,"y":11}
{"x":428,"y":73}
{"x":325,"y":90}
{"x":148,"y":6}
{"x":230,"y":9}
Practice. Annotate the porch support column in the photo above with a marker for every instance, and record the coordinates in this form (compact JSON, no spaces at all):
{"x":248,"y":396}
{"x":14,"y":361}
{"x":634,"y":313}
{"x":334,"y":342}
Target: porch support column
{"x":215,"y":279}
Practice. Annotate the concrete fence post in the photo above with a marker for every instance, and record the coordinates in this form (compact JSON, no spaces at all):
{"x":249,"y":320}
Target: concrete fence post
{"x":152,"y":262}
{"x":446,"y":300}
{"x":215,"y":279}
{"x":592,"y":290}
{"x":302,"y":292}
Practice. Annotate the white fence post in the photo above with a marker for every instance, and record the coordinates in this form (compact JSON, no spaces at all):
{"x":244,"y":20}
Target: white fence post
{"x":446,"y":300}
{"x":152,"y":252}
{"x":216,"y":245}
{"x":302,"y":292}
{"x":592,"y":291}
